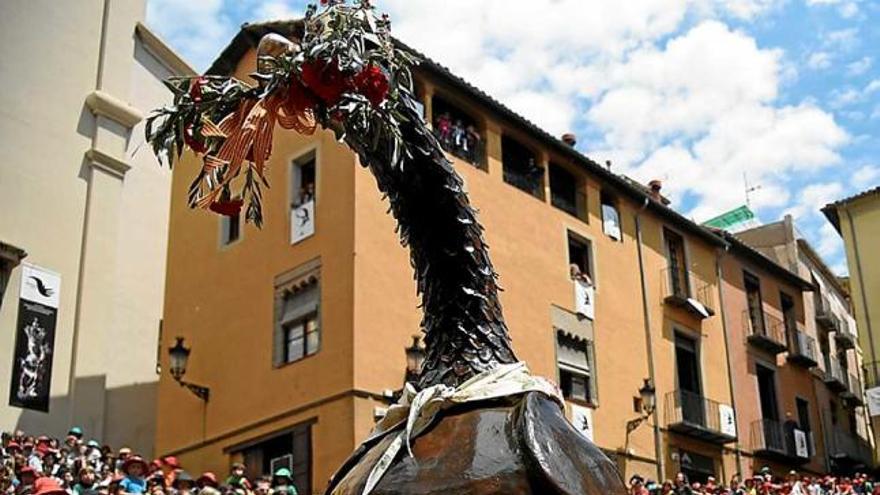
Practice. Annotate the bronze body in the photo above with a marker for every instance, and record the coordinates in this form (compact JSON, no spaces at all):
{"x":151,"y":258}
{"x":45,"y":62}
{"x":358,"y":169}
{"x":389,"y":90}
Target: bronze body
{"x":525,"y":446}
{"x":521,"y":446}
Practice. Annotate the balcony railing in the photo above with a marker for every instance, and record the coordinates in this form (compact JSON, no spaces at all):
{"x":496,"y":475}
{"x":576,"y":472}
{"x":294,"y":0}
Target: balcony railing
{"x":467,"y":148}
{"x":685,"y":289}
{"x":834,"y":375}
{"x":772,"y":438}
{"x":694,"y":415}
{"x":844,"y":335}
{"x":764,"y":330}
{"x":575,"y":206}
{"x":849,"y":448}
{"x":803,"y":349}
{"x":853,"y":392}
{"x":824,"y":316}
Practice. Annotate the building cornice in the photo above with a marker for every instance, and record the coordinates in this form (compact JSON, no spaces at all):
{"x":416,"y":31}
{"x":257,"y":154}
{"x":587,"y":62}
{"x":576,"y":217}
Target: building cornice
{"x":174,"y":62}
{"x":11,"y":253}
{"x":107,"y":105}
{"x":107,"y":163}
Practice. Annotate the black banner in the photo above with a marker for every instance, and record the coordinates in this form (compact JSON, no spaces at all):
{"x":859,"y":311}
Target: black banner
{"x":34,"y":340}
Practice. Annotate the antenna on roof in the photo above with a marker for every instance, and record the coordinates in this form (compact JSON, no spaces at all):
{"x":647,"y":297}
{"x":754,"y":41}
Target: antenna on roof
{"x":749,"y":189}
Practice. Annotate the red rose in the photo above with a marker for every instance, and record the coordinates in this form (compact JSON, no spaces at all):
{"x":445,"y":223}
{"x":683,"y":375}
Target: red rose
{"x":230,"y":208}
{"x":299,"y":98}
{"x":372,"y":83}
{"x":195,"y":89}
{"x":325,"y":80}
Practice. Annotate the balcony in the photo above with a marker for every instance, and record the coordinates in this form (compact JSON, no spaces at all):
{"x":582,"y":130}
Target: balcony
{"x":686,"y":290}
{"x":696,"y":416}
{"x":565,"y":192}
{"x":845,"y":337}
{"x":834,"y":375}
{"x":771,"y":439}
{"x":824,"y":316}
{"x":521,"y":169}
{"x":849,"y":449}
{"x":803,"y":349}
{"x":764,"y":331}
{"x":459,"y":133}
{"x":853,"y":392}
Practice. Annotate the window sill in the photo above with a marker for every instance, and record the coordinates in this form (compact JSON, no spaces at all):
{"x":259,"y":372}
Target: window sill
{"x":286,"y":364}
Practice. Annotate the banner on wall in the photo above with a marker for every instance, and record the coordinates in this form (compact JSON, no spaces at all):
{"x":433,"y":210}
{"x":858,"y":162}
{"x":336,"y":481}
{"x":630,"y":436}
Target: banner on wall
{"x":302,"y":221}
{"x":873,"y":395}
{"x":582,"y":419}
{"x":727,"y":420}
{"x":34,"y":338}
{"x":802,"y":448}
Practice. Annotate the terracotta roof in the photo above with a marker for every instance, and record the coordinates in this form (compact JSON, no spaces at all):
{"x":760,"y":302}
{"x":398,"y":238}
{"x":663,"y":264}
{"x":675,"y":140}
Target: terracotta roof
{"x":830,"y":210}
{"x":250,"y":34}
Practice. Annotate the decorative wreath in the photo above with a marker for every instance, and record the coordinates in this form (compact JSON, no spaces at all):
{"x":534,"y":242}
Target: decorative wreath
{"x":346,"y":74}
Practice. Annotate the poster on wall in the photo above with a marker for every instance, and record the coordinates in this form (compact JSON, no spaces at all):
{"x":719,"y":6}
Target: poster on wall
{"x":873,"y":395}
{"x":727,"y":419}
{"x":34,"y":338}
{"x":583,"y":296}
{"x":302,"y":221}
{"x":582,"y":419}
{"x":801,"y":447}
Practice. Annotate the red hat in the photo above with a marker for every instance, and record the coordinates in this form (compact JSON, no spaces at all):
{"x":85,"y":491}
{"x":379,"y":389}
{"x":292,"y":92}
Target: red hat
{"x":13,"y":445}
{"x":171,"y":461}
{"x":27,"y":470}
{"x":208,"y":478}
{"x":43,"y":439}
{"x":48,"y":486}
{"x":135,"y":459}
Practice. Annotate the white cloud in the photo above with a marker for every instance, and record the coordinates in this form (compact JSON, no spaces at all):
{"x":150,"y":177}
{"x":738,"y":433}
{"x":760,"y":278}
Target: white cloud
{"x":859,"y":66}
{"x":829,"y":245}
{"x":813,"y":197}
{"x":198,"y":28}
{"x":866,"y":177}
{"x":819,"y":60}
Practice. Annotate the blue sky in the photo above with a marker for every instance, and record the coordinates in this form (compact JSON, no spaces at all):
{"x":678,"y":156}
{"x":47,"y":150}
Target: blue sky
{"x":698,"y":93}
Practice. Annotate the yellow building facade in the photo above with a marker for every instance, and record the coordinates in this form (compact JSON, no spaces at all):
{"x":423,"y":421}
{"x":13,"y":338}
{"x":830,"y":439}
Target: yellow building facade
{"x":299,"y":328}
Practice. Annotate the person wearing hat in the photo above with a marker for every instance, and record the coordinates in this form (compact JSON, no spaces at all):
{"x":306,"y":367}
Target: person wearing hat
{"x":282,"y":482}
{"x":170,"y":466}
{"x":26,"y":478}
{"x":135,"y":468}
{"x":237,"y":478}
{"x":207,"y":484}
{"x":637,"y":485}
{"x":124,"y":453}
{"x":183,"y":483}
{"x":48,"y":486}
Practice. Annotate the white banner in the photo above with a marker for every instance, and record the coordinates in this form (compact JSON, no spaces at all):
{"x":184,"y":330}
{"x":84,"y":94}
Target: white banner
{"x":728,"y":420}
{"x":582,"y":419}
{"x":801,"y":447}
{"x":873,"y":395}
{"x":302,"y":221}
{"x":584,"y":299}
{"x":40,"y":285}
{"x":610,"y":222}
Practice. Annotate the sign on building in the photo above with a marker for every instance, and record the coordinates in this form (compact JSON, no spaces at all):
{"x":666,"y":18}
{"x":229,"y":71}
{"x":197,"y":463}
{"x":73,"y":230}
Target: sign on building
{"x":873,"y":395}
{"x":801,"y":445}
{"x":34,"y":338}
{"x":728,"y":420}
{"x":302,"y":221}
{"x":735,"y":220}
{"x":582,"y":419}
{"x":584,"y":299}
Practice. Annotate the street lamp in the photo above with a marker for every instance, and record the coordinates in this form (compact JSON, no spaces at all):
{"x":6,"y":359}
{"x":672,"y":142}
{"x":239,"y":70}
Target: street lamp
{"x":415,"y":358}
{"x":179,"y":356}
{"x":648,"y":395}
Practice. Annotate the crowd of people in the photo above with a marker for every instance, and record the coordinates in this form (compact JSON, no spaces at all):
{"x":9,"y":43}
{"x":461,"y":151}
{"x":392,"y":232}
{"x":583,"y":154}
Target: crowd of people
{"x":762,"y":483}
{"x":46,"y":466}
{"x":457,"y":138}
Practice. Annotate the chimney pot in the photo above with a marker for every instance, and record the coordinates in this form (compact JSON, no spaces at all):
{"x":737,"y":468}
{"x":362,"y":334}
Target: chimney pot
{"x":656,"y":185}
{"x":569,"y":139}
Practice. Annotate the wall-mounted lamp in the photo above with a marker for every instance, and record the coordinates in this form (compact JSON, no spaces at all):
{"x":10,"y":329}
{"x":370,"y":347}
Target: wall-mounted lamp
{"x":179,"y":356}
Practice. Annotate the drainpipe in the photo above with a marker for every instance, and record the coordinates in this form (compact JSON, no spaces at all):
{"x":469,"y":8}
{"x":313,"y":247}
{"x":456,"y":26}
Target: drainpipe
{"x":727,"y":353}
{"x":648,"y":342}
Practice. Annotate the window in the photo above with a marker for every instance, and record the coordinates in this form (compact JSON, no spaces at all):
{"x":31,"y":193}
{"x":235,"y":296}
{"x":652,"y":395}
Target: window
{"x":697,"y":468}
{"x":767,"y":392}
{"x":788,"y":314}
{"x":690,"y":395}
{"x":291,"y":449}
{"x":230,"y":229}
{"x":458,"y":132}
{"x":575,"y":359}
{"x":803,"y":412}
{"x":610,"y":216}
{"x":677,"y":265}
{"x":297,"y":314}
{"x":303,"y":188}
{"x":753,"y":300}
{"x":565,"y":192}
{"x":580,"y":258}
{"x":521,"y":169}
